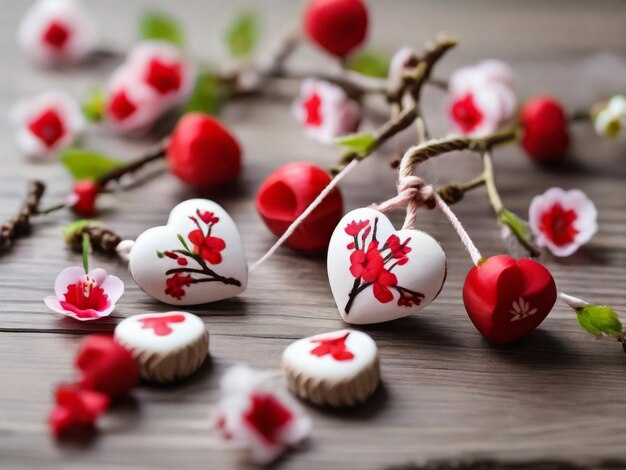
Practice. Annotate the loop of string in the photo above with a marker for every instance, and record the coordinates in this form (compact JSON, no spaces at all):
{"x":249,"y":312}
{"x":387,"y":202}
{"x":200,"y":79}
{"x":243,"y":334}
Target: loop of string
{"x":414,"y":193}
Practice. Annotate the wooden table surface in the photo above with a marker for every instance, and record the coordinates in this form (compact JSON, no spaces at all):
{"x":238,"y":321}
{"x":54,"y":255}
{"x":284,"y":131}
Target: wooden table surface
{"x":446,"y":393}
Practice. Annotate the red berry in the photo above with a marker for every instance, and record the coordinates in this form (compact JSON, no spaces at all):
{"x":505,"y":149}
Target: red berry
{"x":106,"y":366}
{"x":202,"y":152}
{"x":85,"y":193}
{"x":288,"y":192}
{"x":546,"y":134}
{"x":338,"y":26}
{"x":507,"y":299}
{"x":75,"y":409}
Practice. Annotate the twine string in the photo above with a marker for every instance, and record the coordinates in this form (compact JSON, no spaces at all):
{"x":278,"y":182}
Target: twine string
{"x":414,"y":193}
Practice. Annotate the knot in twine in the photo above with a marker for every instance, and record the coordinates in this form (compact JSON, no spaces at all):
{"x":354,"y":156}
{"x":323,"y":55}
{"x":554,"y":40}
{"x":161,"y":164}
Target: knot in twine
{"x":413,"y":193}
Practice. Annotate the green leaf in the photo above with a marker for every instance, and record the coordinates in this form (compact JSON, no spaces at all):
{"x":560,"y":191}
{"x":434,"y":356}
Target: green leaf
{"x":243,"y":34}
{"x":72,"y":229}
{"x":162,"y":27}
{"x":87,"y":165}
{"x":515,"y":223}
{"x":182,"y":241}
{"x":207,"y":97}
{"x":598,"y":319}
{"x":371,"y":63}
{"x":361,"y":144}
{"x":94,"y":104}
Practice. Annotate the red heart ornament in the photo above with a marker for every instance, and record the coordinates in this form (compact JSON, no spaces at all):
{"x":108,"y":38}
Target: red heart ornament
{"x":506,"y":299}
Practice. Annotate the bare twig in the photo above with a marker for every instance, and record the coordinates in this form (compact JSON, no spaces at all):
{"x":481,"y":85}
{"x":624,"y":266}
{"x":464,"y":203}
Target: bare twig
{"x":19,"y":224}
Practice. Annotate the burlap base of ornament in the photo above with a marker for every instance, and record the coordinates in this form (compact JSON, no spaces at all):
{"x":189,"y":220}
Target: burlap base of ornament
{"x":349,"y":391}
{"x":171,"y":366}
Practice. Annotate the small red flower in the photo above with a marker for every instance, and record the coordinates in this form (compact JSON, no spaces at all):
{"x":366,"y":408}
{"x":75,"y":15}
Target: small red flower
{"x":175,"y":285}
{"x":85,"y":296}
{"x":207,"y":247}
{"x":562,"y":221}
{"x":408,"y":299}
{"x":381,"y":286}
{"x":56,"y":35}
{"x":48,"y":127}
{"x":367,"y":265}
{"x":120,"y":106}
{"x":466,"y":114}
{"x":83,"y":198}
{"x":267,"y":417}
{"x":207,"y":217}
{"x":76,"y":408}
{"x":354,"y":227}
{"x":398,"y":250}
{"x":557,"y":224}
{"x":312,"y":107}
{"x":336,"y":347}
{"x":161,"y":324}
{"x":164,"y":78}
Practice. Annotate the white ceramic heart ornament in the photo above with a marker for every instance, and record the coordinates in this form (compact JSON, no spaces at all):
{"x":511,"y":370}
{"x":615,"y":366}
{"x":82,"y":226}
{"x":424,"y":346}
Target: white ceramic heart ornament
{"x":196,"y":258}
{"x":379,"y":274}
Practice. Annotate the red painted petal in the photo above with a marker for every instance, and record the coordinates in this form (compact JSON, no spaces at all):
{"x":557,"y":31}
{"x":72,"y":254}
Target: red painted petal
{"x":382,"y":293}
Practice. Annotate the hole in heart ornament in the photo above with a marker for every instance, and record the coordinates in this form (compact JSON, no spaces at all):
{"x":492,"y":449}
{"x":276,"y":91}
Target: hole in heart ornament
{"x":506,"y":299}
{"x":196,"y":258}
{"x":379,"y":274}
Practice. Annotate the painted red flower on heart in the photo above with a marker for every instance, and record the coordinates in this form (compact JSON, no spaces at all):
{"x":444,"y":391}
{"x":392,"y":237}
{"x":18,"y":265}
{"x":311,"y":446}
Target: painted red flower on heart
{"x":207,"y":248}
{"x":175,"y":285}
{"x":372,"y":267}
{"x":335,"y":347}
{"x":161,"y":324}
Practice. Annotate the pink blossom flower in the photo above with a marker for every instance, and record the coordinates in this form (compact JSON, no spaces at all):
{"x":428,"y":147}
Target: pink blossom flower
{"x":154,"y":78}
{"x":257,"y":416}
{"x":46,"y":123}
{"x":481,"y":98}
{"x":398,"y":64}
{"x":85,"y":296}
{"x":325,"y":111}
{"x":131,"y":105}
{"x":562,"y":220}
{"x":57,"y":31}
{"x":164,"y":69}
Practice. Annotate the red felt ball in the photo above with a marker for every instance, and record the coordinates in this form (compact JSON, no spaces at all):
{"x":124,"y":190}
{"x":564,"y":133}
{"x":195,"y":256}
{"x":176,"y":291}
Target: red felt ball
{"x":85,"y":193}
{"x":106,"y":366}
{"x":546,"y":134}
{"x":337,"y":26}
{"x":202,"y":152}
{"x":286,"y":194}
{"x":506,"y":299}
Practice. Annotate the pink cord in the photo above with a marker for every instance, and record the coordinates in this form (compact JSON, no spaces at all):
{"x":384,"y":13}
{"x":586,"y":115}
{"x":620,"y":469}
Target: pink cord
{"x":460,"y":230}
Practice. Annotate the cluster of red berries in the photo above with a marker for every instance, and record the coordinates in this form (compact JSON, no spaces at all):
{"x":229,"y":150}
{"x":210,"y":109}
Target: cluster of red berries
{"x":107,"y":370}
